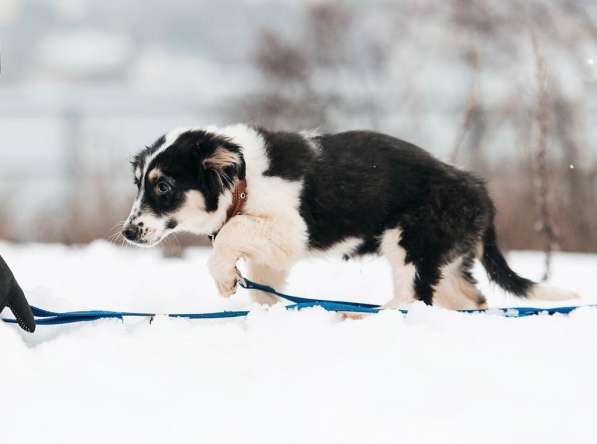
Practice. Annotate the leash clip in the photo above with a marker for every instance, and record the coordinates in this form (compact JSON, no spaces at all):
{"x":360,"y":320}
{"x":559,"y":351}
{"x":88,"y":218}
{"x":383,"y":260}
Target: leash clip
{"x":240,"y":280}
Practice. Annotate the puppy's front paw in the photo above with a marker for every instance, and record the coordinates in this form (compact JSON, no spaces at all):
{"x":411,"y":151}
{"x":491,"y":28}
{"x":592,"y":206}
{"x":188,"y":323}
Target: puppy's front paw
{"x":225,"y":276}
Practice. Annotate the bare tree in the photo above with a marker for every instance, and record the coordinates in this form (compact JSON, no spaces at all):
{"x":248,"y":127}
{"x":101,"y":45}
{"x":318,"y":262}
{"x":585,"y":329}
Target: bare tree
{"x":288,"y":98}
{"x":471,"y":108}
{"x":292,"y":71}
{"x":541,"y":168}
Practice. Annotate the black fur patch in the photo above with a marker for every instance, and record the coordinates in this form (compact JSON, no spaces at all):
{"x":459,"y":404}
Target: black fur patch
{"x":359,"y":184}
{"x":291,"y":162}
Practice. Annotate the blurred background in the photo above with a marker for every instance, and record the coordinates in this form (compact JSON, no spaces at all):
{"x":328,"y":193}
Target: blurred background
{"x":506,"y":89}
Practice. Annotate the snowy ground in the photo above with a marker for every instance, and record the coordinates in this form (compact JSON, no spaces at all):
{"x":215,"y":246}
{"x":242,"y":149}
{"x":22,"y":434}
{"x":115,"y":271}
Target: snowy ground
{"x":277,"y":376}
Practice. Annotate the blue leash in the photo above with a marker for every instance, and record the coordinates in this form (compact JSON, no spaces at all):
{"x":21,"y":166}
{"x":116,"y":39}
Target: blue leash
{"x":45,"y":317}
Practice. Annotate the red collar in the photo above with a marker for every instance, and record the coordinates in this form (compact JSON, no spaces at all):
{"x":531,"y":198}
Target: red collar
{"x":239,"y":199}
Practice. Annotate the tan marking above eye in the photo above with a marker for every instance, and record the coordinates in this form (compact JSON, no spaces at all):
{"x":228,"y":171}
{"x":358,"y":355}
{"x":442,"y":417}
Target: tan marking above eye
{"x":154,"y":174}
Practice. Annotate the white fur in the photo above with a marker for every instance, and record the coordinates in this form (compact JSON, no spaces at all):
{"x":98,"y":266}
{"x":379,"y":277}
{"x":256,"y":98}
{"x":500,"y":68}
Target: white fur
{"x":154,"y":229}
{"x":270,"y":234}
{"x":257,"y":239}
{"x":546,"y":293}
{"x":193,"y":218}
{"x":272,"y":198}
{"x":262,"y":273}
{"x":308,"y":136}
{"x":403,"y":274}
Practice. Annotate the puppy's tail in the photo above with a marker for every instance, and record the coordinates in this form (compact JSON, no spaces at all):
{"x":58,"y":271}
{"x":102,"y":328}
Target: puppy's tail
{"x":500,"y":272}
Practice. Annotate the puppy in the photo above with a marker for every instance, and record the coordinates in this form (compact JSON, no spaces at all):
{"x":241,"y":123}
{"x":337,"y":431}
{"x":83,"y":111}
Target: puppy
{"x":273,"y":197}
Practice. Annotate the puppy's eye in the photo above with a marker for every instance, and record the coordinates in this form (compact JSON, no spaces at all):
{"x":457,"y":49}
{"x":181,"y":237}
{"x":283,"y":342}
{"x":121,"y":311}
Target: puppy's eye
{"x":163,"y":188}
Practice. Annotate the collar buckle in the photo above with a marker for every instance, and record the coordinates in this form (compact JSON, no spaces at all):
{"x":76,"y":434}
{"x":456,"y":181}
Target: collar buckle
{"x":239,"y":198}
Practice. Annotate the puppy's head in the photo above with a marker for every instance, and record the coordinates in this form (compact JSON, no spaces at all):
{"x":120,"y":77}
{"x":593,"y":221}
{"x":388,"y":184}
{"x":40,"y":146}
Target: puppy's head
{"x":184,"y":183}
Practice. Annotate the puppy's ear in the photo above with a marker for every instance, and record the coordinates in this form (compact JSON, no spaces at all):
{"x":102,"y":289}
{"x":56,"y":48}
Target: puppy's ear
{"x":221,"y":159}
{"x":227,"y":163}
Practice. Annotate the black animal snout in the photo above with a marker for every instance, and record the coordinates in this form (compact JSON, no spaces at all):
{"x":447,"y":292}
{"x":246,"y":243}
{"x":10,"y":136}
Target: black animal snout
{"x":131,"y":232}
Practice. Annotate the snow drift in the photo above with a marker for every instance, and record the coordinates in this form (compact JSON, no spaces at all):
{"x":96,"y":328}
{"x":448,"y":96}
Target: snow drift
{"x":432,"y":376}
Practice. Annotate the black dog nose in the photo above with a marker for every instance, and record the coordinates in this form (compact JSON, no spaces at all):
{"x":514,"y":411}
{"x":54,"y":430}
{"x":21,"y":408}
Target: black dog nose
{"x":131,"y":232}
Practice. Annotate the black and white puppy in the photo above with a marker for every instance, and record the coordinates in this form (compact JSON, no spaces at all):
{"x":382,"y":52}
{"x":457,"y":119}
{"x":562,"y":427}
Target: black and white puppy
{"x":352,"y":193}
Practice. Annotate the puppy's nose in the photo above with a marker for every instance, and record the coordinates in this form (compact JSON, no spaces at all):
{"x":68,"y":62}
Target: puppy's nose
{"x":131,"y":232}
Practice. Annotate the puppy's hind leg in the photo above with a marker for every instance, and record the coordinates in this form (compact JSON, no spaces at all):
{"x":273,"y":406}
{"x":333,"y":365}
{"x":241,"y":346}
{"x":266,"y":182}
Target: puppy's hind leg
{"x":416,"y":262}
{"x":457,"y":288}
{"x":403,"y":274}
{"x":263,"y":274}
{"x":468,"y":283}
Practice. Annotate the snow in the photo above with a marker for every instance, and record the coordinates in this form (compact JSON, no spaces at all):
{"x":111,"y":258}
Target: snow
{"x":278,"y":376}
